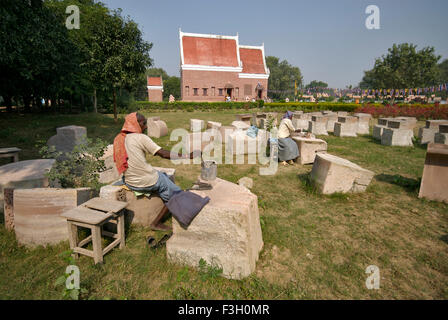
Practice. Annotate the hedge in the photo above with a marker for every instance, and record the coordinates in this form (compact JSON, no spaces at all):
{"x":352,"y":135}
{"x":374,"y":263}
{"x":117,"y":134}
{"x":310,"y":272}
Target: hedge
{"x":210,"y":106}
{"x":282,"y":107}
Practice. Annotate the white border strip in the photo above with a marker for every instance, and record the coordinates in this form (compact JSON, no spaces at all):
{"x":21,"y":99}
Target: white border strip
{"x":198,"y":67}
{"x":253,"y":76}
{"x":155,"y":87}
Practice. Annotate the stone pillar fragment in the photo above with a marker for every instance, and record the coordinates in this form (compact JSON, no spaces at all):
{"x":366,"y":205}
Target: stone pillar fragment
{"x":434,"y":185}
{"x":156,"y":127}
{"x":331,"y":174}
{"x":308,"y":148}
{"x":226,"y":233}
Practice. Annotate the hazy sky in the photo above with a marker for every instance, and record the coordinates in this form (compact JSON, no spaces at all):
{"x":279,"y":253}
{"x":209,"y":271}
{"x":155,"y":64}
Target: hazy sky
{"x":326,"y":39}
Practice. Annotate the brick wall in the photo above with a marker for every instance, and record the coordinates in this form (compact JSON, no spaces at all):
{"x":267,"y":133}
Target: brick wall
{"x":212,"y":81}
{"x":155,"y":95}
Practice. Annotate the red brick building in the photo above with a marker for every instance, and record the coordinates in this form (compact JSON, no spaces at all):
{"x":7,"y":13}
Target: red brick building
{"x":155,"y":89}
{"x":214,"y":66}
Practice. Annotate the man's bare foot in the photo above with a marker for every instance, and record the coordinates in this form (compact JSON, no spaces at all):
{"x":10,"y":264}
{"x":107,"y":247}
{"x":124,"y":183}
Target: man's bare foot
{"x":160,"y":227}
{"x":284,"y":163}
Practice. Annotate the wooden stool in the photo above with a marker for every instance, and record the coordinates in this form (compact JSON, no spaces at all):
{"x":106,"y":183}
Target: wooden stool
{"x":10,"y":153}
{"x":94,"y":214}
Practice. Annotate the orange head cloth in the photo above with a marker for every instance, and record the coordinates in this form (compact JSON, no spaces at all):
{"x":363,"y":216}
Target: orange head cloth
{"x":120,"y":155}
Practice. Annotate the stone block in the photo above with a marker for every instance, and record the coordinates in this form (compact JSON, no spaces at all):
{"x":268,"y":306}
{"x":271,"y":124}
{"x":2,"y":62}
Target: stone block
{"x":318,"y":125}
{"x":111,"y":173}
{"x":156,"y":127}
{"x":332,"y":118}
{"x":24,"y":175}
{"x":434,"y":124}
{"x":202,"y":141}
{"x":346,"y":129}
{"x":400,"y":124}
{"x":37,"y":213}
{"x":378,"y":131}
{"x":301,"y":121}
{"x":226,"y":232}
{"x":383,"y":121}
{"x":308,"y":148}
{"x":363,"y":123}
{"x":434,"y":185}
{"x":441,"y":138}
{"x":225,"y":131}
{"x":67,"y":138}
{"x":213,"y":125}
{"x":197,"y":125}
{"x":426,"y":135}
{"x":246,"y":118}
{"x":246,"y":182}
{"x":240,"y":125}
{"x":342,"y":113}
{"x":331,"y":174}
{"x":397,"y":137}
{"x":443,"y":128}
{"x":240,"y":143}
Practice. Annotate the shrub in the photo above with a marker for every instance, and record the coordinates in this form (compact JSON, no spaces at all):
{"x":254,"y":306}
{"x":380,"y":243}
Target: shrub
{"x":79,"y":168}
{"x":420,"y":111}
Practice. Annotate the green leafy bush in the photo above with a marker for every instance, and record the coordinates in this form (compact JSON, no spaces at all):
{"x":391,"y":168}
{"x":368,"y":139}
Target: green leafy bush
{"x":79,"y":168}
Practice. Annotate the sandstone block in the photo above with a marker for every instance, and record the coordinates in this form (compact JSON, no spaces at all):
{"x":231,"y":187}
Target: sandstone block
{"x":434,"y":185}
{"x":240,"y":125}
{"x":226,"y":232}
{"x":246,"y":118}
{"x":332,"y":174}
{"x":332,"y":118}
{"x":111,"y":173}
{"x":24,"y":175}
{"x":37,"y":213}
{"x":246,"y":182}
{"x":443,"y":128}
{"x":318,"y":125}
{"x":197,"y":125}
{"x":378,"y":131}
{"x":441,"y":138}
{"x":213,"y":125}
{"x":308,"y":148}
{"x":401,"y":124}
{"x":397,"y":137}
{"x":346,"y":127}
{"x":426,"y":135}
{"x":240,"y":143}
{"x":67,"y":138}
{"x":384,"y":121}
{"x":435,"y":124}
{"x":363,"y":123}
{"x":156,"y":127}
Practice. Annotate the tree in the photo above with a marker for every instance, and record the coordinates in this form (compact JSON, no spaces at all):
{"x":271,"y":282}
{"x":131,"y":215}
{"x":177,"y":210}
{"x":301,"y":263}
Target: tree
{"x":315,"y":84}
{"x":443,"y":71}
{"x":171,"y":86}
{"x":120,"y":53}
{"x":157,"y":72}
{"x":282,"y":78}
{"x":37,"y":60}
{"x":403,"y":67}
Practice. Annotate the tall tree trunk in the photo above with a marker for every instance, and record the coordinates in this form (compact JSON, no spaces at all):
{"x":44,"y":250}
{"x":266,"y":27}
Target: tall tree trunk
{"x":95,"y":109}
{"x":115,"y":104}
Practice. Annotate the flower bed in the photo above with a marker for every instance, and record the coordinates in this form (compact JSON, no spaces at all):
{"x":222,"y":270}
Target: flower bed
{"x":420,"y":111}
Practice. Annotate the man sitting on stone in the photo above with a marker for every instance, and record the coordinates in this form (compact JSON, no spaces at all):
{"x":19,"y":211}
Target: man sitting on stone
{"x":130,"y":148}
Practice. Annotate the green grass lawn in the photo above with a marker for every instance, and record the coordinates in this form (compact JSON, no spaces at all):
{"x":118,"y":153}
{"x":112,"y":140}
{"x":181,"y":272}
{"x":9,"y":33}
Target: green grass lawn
{"x":315,"y":247}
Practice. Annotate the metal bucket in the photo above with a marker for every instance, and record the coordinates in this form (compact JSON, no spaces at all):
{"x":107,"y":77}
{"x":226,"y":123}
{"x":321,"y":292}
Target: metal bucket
{"x":209,"y":170}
